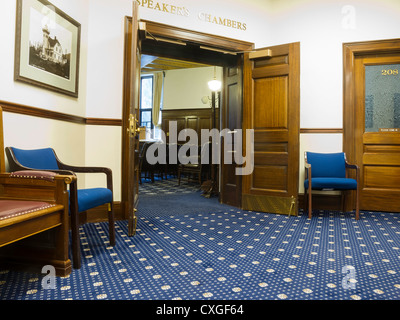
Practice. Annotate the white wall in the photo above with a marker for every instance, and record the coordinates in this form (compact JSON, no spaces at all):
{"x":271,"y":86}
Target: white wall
{"x":22,"y":131}
{"x":183,"y":89}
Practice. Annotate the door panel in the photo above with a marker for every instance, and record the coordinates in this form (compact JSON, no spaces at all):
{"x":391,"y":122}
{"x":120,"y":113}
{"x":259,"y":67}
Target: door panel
{"x":377,"y":126}
{"x":271,"y":109}
{"x":231,"y":183}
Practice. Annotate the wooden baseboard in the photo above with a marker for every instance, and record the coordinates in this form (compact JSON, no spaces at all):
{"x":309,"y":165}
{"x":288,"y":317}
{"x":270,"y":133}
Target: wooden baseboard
{"x":320,"y":201}
{"x":323,"y":201}
{"x":100,"y":214}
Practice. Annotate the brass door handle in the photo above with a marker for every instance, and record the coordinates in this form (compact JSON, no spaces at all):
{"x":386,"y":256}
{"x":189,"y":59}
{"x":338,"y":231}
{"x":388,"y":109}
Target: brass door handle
{"x":133,"y":129}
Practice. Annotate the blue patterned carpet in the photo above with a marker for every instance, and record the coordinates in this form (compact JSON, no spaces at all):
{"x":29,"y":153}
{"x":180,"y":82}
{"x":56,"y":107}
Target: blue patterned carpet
{"x":210,"y":251}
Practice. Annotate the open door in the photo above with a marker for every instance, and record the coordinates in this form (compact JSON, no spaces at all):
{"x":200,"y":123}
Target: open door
{"x":130,"y":126}
{"x":271,"y":95}
{"x":231,"y":114}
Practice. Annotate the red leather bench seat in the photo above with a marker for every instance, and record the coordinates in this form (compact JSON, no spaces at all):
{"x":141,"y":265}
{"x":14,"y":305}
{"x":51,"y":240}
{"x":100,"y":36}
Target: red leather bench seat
{"x":14,"y":208}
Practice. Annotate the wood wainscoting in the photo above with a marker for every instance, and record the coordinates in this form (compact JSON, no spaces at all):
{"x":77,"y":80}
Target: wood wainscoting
{"x":196,"y":119}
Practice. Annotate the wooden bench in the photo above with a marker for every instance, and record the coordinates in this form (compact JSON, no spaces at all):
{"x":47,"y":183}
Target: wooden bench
{"x":34,"y":221}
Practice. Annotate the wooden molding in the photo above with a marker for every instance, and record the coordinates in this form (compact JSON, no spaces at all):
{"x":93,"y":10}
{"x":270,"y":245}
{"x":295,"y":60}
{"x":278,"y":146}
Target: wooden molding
{"x":323,"y":202}
{"x":321,"y":130}
{"x":100,"y":214}
{"x":211,"y":40}
{"x":54,"y":115}
{"x":103,"y":122}
{"x":41,"y":113}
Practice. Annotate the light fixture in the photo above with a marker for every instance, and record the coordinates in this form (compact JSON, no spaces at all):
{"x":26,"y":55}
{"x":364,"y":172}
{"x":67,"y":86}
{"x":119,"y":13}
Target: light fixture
{"x":215,"y":85}
{"x":205,"y":99}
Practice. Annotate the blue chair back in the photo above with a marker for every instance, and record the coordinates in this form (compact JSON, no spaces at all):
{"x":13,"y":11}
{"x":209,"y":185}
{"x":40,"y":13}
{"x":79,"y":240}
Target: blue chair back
{"x":37,"y":158}
{"x":325,"y":165}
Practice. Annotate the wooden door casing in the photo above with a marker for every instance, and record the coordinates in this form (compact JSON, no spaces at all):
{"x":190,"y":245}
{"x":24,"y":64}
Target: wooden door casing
{"x":376,"y":153}
{"x":130,"y":138}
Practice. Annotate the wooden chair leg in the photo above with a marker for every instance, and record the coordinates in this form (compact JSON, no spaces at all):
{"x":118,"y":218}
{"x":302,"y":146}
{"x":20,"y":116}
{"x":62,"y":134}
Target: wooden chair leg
{"x":343,"y":195}
{"x":76,"y":248}
{"x":111,"y":223}
{"x":305,"y":201}
{"x":357,"y":204}
{"x":309,"y":203}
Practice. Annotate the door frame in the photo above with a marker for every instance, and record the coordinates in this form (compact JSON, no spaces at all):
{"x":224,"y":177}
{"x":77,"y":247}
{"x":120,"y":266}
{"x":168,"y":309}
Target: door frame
{"x":211,"y":42}
{"x":351,"y":51}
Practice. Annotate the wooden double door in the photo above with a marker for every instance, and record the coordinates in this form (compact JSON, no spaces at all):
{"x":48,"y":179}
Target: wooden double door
{"x":372,"y":120}
{"x":260,"y":94}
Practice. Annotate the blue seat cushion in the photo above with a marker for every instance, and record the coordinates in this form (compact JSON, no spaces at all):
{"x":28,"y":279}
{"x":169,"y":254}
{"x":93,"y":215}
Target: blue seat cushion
{"x":327,"y":164}
{"x":332,"y":183}
{"x":91,"y":198}
{"x":37,"y":158}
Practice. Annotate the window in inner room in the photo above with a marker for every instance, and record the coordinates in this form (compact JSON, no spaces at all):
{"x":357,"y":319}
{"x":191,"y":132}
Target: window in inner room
{"x":146,"y":101}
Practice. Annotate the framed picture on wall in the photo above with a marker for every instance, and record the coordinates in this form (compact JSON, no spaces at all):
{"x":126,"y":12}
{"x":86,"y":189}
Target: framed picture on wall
{"x":47,"y":47}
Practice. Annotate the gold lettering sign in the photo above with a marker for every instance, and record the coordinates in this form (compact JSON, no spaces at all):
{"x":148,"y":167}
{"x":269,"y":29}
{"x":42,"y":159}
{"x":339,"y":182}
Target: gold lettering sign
{"x":206,"y":17}
{"x":164,"y":7}
{"x":182,"y":11}
{"x":390,"y":72}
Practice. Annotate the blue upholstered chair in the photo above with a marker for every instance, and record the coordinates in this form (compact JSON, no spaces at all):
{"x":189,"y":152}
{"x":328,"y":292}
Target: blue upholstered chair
{"x":80,"y":200}
{"x":327,"y":171}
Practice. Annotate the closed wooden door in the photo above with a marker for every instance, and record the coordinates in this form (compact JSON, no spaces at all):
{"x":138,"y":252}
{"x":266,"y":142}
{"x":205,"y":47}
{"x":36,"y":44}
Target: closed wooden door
{"x":271,"y":108}
{"x":377,"y":130}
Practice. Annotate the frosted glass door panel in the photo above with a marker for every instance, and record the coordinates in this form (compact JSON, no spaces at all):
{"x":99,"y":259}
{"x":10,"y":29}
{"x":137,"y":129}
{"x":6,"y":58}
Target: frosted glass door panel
{"x":382,"y":98}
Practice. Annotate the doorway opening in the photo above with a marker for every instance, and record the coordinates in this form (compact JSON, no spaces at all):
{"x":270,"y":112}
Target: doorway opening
{"x":180,"y":99}
{"x":164,"y":41}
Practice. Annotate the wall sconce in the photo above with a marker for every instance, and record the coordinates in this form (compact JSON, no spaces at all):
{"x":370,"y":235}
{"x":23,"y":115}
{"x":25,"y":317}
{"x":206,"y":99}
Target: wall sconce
{"x":215,"y":85}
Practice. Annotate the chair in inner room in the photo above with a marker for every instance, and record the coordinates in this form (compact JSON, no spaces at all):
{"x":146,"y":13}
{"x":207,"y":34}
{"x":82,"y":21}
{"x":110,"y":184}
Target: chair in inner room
{"x":146,"y":170}
{"x":328,"y":171}
{"x":80,"y":200}
{"x":197,"y":169}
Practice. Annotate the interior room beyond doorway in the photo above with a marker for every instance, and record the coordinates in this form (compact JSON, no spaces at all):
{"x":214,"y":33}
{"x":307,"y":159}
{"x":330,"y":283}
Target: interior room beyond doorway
{"x":174,"y":90}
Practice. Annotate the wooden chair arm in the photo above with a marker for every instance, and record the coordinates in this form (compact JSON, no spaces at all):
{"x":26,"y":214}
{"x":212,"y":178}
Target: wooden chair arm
{"x":24,"y":187}
{"x":351,"y":166}
{"x":81,"y":169}
{"x":307,"y":168}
